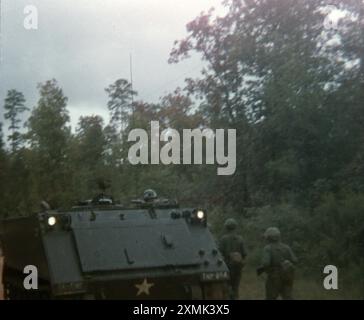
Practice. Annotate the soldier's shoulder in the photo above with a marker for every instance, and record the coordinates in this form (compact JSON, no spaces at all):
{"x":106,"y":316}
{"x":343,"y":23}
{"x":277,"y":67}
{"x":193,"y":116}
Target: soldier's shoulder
{"x":225,"y":237}
{"x":238,"y":237}
{"x":285,"y":246}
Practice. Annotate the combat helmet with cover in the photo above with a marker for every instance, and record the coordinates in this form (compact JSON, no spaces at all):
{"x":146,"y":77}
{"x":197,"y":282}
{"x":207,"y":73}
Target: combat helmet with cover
{"x":149,"y":195}
{"x":230,"y":224}
{"x":272,"y":234}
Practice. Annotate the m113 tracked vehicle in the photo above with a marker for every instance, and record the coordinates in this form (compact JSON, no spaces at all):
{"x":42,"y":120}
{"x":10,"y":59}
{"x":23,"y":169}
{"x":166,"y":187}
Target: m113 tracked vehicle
{"x":100,"y":250}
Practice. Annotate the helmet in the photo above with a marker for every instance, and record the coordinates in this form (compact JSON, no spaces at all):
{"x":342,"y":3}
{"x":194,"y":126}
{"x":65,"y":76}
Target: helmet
{"x":230,"y":224}
{"x":149,"y":195}
{"x":272,"y":234}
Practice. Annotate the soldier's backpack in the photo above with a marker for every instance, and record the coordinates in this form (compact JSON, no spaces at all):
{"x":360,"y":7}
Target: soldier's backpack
{"x":285,"y":267}
{"x":236,"y":259}
{"x":288,"y":269}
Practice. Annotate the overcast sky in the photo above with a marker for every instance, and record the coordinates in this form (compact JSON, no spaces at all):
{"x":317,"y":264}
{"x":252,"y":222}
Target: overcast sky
{"x":86,"y":45}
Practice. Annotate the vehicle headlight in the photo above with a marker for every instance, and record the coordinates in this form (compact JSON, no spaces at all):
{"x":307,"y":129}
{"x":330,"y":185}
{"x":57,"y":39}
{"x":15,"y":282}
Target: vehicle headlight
{"x":51,"y":221}
{"x":200,"y":214}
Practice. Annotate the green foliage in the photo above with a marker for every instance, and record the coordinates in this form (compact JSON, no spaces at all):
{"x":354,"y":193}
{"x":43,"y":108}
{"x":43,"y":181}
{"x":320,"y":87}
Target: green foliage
{"x":339,"y":223}
{"x":269,"y":73}
{"x":120,"y":102}
{"x":14,"y":106}
{"x":295,"y":95}
{"x":49,"y":136}
{"x":1,"y":137}
{"x":3,"y":169}
{"x":91,"y":141}
{"x":48,"y":131}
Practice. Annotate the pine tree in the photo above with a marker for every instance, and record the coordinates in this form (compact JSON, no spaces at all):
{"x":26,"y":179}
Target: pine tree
{"x":49,"y":137}
{"x":120,"y":103}
{"x":15,"y":106}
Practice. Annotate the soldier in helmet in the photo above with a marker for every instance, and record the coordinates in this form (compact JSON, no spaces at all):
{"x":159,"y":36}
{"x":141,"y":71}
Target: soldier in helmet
{"x":278,"y":262}
{"x":232,"y":248}
{"x":149,"y":195}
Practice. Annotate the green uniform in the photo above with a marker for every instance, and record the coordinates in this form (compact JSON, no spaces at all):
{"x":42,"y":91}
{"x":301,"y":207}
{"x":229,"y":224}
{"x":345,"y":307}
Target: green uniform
{"x":280,"y":279}
{"x":232,"y":243}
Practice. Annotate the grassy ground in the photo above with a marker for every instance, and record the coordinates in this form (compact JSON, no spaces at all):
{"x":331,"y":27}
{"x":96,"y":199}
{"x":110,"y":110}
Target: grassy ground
{"x":305,"y":288}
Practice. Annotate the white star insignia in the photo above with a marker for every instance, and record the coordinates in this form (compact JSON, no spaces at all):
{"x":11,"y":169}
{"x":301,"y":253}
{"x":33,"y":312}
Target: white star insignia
{"x":144,"y":287}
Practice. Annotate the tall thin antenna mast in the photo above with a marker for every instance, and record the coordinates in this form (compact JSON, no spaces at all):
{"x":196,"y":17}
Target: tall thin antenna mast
{"x":131,"y":78}
{"x":131,"y":83}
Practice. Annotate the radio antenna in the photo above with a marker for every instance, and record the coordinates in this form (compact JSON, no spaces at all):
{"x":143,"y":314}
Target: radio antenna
{"x":131,"y":83}
{"x":131,"y":78}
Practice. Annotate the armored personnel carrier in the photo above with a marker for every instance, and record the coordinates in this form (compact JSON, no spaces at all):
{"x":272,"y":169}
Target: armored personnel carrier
{"x":152,"y":249}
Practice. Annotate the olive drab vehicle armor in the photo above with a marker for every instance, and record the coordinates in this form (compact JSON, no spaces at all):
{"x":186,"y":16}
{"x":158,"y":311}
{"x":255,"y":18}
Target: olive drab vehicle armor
{"x":151,"y":249}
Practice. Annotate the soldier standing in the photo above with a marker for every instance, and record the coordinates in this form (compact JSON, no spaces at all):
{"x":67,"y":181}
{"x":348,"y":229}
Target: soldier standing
{"x":232,"y":249}
{"x":278,"y":263}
